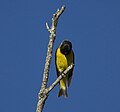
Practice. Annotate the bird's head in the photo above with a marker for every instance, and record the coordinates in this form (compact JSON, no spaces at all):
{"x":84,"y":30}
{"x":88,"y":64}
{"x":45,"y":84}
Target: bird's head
{"x":65,"y":47}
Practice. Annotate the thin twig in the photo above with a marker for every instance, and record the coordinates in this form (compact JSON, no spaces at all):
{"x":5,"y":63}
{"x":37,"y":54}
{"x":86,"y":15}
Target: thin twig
{"x":42,"y":96}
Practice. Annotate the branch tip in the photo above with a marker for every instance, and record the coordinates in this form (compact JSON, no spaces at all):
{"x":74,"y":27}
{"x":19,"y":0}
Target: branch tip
{"x":47,"y":26}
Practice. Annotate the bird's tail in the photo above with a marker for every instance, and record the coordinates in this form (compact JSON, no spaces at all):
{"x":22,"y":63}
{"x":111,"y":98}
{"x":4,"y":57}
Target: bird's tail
{"x":63,"y":92}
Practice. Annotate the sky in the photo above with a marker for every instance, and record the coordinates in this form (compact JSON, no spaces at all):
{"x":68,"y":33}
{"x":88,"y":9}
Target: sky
{"x":93,"y":27}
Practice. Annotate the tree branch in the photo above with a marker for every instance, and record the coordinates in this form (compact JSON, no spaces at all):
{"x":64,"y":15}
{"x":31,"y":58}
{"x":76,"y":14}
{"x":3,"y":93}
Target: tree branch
{"x":42,"y":96}
{"x":59,"y":78}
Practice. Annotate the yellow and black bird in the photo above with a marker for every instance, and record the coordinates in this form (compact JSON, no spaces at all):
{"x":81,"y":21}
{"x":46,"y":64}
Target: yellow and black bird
{"x":64,"y":57}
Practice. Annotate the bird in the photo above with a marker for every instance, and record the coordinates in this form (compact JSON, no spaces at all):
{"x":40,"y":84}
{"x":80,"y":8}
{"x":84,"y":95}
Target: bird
{"x":64,"y":57}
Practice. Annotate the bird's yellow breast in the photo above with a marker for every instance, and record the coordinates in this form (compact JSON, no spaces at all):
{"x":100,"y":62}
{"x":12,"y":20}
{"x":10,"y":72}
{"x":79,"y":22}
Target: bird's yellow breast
{"x":62,"y":61}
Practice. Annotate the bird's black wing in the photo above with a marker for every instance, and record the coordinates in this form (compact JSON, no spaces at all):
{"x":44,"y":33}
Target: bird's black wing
{"x":71,"y":71}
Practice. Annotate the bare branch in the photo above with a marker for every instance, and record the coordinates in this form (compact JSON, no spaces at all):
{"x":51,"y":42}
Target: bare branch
{"x":52,"y":31}
{"x":42,"y":96}
{"x":55,"y":20}
{"x":59,"y":78}
{"x":56,"y":17}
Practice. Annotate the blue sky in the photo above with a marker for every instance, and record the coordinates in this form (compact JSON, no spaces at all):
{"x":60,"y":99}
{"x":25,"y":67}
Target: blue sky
{"x":93,"y":26}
